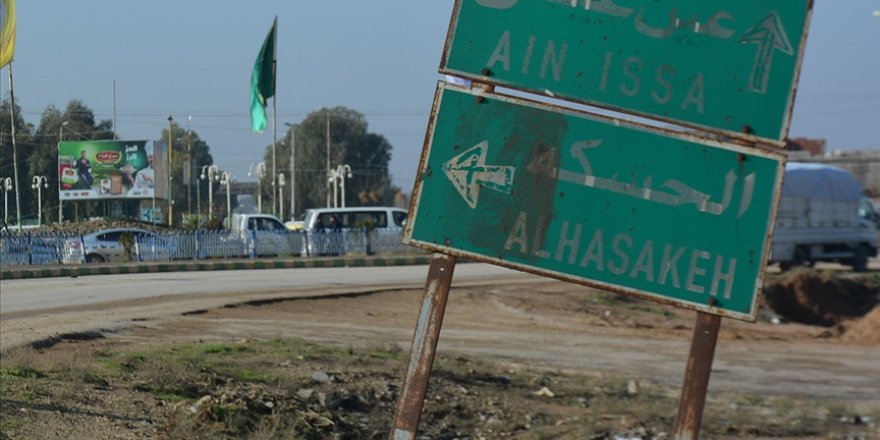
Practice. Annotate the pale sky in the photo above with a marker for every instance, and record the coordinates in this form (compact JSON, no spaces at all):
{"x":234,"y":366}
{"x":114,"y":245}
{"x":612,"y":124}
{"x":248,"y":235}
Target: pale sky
{"x":194,"y":58}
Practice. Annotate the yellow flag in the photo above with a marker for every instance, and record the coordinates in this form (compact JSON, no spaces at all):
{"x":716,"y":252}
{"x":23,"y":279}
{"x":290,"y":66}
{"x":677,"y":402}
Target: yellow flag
{"x":7,"y":31}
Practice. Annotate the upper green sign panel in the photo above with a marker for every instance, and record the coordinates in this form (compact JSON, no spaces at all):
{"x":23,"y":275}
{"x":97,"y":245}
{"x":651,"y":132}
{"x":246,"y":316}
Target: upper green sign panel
{"x":596,"y":201}
{"x":725,"y":66}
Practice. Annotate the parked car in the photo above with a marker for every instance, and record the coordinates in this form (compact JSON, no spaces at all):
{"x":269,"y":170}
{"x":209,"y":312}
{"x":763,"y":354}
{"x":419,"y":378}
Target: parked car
{"x":109,"y":245}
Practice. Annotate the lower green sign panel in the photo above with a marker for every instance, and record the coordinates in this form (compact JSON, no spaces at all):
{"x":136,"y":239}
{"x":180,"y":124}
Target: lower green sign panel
{"x":596,"y":201}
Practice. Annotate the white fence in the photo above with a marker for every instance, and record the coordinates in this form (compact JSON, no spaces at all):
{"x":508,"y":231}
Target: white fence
{"x":43,"y":248}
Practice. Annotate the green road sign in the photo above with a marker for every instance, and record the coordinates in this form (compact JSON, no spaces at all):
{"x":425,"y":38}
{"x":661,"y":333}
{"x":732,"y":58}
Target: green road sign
{"x":721,"y":65}
{"x":596,"y":201}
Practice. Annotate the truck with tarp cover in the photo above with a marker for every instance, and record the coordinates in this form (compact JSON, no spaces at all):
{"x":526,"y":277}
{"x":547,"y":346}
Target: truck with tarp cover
{"x":823,"y":216}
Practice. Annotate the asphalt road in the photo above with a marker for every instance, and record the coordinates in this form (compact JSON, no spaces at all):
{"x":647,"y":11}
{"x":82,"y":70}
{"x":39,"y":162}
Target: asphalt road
{"x":39,"y":309}
{"x":35,"y":295}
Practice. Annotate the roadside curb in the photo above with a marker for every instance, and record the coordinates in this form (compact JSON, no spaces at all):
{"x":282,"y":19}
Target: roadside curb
{"x":202,"y":265}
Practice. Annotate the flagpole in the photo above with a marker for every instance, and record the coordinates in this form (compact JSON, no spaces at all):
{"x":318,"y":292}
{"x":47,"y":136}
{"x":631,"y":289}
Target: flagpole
{"x":275,"y":188}
{"x":274,"y":176}
{"x":14,"y":150}
{"x":260,"y":93}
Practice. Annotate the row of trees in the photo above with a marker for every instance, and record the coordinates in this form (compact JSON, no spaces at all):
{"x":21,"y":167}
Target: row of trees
{"x":37,"y":152}
{"x":350,"y":143}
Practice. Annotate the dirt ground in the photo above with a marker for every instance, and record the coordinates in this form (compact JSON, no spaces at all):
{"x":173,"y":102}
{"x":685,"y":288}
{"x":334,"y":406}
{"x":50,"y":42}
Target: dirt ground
{"x":534,"y":359}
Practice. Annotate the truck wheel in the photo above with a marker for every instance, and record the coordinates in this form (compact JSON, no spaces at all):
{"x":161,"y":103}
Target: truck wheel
{"x":801,"y":257}
{"x":860,"y":260}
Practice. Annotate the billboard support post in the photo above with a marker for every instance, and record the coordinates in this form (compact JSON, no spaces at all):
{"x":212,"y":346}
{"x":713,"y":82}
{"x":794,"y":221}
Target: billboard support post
{"x":60,"y":139}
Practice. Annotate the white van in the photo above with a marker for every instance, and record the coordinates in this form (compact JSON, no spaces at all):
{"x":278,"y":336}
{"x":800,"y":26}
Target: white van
{"x":361,"y":217}
{"x":363,"y":230}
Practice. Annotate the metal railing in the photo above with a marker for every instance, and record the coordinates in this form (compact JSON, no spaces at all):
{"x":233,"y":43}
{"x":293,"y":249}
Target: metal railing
{"x":54,"y":248}
{"x":37,"y":248}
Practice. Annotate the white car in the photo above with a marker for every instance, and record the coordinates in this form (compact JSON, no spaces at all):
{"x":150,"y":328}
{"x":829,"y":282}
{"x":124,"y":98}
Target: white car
{"x":107,"y":245}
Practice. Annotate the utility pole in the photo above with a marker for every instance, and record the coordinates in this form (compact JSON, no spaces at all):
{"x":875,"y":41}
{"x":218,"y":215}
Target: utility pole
{"x":328,"y":158}
{"x":189,"y":162}
{"x":292,"y":170}
{"x":170,"y":173}
{"x":114,"y":111}
{"x":292,"y":173}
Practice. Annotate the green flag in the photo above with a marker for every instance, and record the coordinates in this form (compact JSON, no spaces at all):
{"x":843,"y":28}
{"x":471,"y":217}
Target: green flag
{"x":263,"y":81}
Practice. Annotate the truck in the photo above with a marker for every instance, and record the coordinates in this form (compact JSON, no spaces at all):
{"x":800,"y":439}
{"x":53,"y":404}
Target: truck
{"x":823,"y":216}
{"x":265,"y":235}
{"x":256,"y":222}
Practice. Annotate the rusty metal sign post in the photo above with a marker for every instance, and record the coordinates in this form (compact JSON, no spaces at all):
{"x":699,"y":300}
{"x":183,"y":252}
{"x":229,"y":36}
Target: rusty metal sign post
{"x":424,"y":346}
{"x":696,"y":377}
{"x":541,"y":188}
{"x":575,"y":196}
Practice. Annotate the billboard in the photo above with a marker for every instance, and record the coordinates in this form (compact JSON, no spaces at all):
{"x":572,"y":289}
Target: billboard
{"x":99,"y":170}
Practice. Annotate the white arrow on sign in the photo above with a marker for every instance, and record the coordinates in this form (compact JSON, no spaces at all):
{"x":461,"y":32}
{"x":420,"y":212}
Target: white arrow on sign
{"x":770,"y":36}
{"x":468,"y":172}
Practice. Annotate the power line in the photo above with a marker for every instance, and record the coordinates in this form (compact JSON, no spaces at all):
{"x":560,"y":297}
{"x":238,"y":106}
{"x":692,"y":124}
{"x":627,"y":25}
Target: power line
{"x":837,"y":112}
{"x":870,"y":96}
{"x":227,"y":114}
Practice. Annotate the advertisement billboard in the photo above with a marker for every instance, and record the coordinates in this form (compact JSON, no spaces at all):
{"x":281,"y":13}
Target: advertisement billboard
{"x":99,"y":170}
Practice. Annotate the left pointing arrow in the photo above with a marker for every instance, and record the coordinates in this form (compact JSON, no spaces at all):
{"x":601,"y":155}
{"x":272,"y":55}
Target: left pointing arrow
{"x":468,"y":172}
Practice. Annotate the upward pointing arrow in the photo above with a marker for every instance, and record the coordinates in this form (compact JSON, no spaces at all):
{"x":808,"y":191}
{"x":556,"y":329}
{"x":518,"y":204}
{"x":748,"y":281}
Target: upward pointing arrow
{"x":770,"y":36}
{"x":468,"y":172}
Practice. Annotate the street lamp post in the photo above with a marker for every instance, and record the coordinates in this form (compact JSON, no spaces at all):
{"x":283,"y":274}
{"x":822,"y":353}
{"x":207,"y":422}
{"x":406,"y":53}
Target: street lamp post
{"x":331,"y":181}
{"x":344,"y":172}
{"x":281,"y":195}
{"x":226,"y":179}
{"x":260,"y":173}
{"x":189,"y":165}
{"x":337,"y":179}
{"x":198,"y":202}
{"x":6,"y":185}
{"x":292,"y":170}
{"x":61,"y":131}
{"x":327,"y":136}
{"x":210,"y":173}
{"x":36,"y":185}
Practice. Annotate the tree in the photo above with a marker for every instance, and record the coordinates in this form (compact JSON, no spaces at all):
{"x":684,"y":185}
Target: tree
{"x":186,"y":188}
{"x":24,"y":146}
{"x":44,"y":160}
{"x":79,"y":124}
{"x":351,"y":144}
